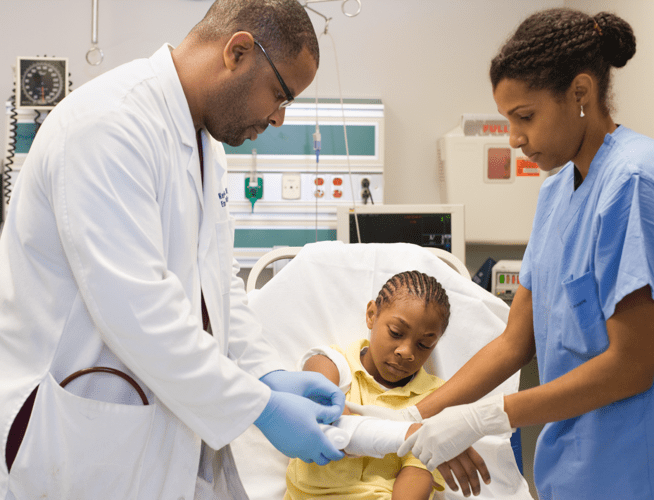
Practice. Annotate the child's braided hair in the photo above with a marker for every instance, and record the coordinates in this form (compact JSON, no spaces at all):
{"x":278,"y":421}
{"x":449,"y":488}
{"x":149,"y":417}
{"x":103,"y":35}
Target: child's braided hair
{"x":419,"y":285}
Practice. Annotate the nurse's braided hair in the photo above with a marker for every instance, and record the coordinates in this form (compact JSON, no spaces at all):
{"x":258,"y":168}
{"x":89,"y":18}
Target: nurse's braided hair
{"x":418,"y":284}
{"x":550,"y":48}
{"x":282,"y":26}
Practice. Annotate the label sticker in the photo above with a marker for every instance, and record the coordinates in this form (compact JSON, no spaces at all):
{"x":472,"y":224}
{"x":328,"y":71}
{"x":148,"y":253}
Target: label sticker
{"x":526,"y":168}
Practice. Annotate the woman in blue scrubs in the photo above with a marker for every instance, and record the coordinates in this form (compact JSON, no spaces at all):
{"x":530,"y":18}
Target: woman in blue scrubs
{"x":584,"y":306}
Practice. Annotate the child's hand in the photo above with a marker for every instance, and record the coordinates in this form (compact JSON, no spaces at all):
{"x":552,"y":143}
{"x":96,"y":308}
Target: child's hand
{"x":466,"y":468}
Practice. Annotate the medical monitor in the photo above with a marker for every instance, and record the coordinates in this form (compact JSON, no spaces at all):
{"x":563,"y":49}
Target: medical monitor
{"x":439,"y":226}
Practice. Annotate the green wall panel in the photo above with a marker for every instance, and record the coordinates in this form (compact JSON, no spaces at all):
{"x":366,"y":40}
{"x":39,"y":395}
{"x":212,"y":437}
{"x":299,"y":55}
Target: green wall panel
{"x":290,"y":139}
{"x":268,"y":238}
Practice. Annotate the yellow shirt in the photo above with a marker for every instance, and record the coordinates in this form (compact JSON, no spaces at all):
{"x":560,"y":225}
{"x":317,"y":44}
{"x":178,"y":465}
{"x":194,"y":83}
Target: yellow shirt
{"x":362,"y":478}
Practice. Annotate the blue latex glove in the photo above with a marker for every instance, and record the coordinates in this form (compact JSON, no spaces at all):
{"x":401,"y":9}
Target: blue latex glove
{"x":312,"y":385}
{"x":290,"y":423}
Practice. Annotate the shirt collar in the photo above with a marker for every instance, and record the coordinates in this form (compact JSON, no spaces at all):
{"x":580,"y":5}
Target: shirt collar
{"x":419,"y":384}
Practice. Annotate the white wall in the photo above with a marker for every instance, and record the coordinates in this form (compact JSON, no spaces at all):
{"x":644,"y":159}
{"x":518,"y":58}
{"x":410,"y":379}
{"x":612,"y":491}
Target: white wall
{"x":128,"y":29}
{"x":633,"y":99}
{"x":427,"y":59}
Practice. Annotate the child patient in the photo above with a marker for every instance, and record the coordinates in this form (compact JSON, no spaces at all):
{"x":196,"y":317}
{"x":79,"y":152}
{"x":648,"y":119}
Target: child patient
{"x":406,"y":321}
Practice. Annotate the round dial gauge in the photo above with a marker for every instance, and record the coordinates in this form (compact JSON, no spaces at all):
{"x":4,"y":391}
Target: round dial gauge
{"x":42,"y":82}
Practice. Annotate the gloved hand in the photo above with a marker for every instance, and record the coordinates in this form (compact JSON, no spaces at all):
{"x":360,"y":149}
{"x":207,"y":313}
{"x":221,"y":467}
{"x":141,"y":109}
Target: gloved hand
{"x":312,"y":385}
{"x":409,"y":414}
{"x":446,"y":435}
{"x":290,"y":423}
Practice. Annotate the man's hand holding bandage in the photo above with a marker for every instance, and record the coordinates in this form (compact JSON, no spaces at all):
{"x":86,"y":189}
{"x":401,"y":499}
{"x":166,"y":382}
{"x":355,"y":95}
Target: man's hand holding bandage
{"x":449,"y":433}
{"x":299,"y":401}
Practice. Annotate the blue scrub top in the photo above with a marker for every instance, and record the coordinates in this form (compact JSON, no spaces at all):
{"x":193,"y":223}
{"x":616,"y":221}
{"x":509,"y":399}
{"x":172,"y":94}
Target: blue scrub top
{"x":588,"y":249}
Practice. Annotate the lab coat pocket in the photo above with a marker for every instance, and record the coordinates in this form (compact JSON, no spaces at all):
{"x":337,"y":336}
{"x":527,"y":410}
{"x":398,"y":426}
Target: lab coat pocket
{"x":81,"y":448}
{"x":586,"y":335}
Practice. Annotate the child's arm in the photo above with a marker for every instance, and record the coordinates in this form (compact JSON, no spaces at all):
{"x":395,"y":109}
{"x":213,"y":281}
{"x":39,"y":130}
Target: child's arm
{"x":322,"y":364}
{"x":413,"y":483}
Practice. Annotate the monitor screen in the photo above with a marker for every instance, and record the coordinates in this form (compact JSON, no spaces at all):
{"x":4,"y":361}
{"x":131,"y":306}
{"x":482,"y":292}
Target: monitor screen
{"x":438,"y":226}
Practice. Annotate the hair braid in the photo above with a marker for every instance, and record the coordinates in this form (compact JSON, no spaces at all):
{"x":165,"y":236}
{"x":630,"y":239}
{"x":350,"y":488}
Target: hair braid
{"x":421,"y":286}
{"x":550,"y":48}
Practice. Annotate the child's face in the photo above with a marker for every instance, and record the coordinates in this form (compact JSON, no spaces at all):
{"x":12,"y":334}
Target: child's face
{"x":403,"y":335}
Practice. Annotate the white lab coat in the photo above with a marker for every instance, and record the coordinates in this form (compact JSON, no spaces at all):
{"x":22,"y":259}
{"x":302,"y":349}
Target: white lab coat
{"x":108,"y":243}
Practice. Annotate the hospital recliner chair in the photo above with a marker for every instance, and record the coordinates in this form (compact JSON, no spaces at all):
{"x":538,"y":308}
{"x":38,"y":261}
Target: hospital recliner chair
{"x":320,"y":297}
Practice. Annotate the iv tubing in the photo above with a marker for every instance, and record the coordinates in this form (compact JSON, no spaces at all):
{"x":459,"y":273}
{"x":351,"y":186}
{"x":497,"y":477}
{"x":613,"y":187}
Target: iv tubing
{"x":347,"y":149}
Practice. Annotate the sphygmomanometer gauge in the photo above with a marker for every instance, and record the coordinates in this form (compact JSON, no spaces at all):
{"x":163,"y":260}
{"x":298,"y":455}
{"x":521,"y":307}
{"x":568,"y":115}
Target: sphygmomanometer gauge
{"x":42,"y":82}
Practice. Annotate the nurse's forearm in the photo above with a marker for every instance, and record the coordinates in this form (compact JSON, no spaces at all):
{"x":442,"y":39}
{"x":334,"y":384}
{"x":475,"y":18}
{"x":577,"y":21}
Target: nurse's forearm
{"x":596,"y":383}
{"x":625,"y":369}
{"x":492,"y":365}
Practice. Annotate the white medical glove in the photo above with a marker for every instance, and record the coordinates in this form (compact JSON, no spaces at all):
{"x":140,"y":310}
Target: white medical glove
{"x":409,"y":414}
{"x":451,"y":432}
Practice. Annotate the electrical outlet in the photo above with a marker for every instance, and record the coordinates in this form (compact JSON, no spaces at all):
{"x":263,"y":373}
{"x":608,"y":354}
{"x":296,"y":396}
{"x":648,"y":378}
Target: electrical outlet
{"x":291,"y":186}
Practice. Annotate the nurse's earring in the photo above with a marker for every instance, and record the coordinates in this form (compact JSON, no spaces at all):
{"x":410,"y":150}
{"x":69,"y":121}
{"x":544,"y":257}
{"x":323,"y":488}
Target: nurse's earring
{"x":582,"y":111}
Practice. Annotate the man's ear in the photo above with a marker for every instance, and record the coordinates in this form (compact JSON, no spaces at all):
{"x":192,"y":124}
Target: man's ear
{"x":236,"y":47}
{"x":371,"y":313}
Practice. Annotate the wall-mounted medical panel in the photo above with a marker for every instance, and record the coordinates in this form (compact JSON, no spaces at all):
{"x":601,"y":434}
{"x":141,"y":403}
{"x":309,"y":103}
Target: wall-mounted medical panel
{"x":300,"y":196}
{"x":291,"y":145}
{"x":496,"y":183}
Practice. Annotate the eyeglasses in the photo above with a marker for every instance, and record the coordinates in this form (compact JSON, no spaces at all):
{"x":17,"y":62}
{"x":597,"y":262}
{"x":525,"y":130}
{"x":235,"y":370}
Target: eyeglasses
{"x":289,"y":97}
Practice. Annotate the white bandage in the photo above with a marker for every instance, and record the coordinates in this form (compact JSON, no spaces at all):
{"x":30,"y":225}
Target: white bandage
{"x":408,"y":414}
{"x":372,"y":437}
{"x":338,"y":437}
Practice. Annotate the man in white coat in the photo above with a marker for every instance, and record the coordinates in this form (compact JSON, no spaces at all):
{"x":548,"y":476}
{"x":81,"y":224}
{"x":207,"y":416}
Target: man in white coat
{"x":117,"y":239}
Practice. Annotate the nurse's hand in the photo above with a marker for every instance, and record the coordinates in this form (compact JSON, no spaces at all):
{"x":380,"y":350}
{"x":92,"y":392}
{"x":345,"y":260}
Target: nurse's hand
{"x":290,"y":423}
{"x":452,"y":431}
{"x":467,"y":468}
{"x":312,"y":385}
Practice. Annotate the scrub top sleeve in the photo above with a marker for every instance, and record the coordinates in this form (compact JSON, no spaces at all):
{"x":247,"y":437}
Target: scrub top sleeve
{"x":624,"y":253}
{"x":525,"y":269}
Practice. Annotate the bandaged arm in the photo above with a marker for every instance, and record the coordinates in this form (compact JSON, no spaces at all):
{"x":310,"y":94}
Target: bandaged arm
{"x":377,"y":437}
{"x":334,"y":366}
{"x":418,"y":482}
